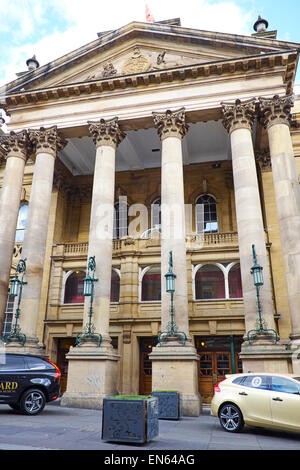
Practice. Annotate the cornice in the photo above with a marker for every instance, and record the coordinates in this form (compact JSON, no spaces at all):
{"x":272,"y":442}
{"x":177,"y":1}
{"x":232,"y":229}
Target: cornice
{"x":228,"y":67}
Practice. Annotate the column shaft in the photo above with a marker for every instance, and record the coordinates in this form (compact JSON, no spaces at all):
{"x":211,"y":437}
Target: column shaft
{"x":107,"y":136}
{"x":276,"y":119}
{"x":238,"y":121}
{"x":46,"y":142}
{"x":16,"y":146}
{"x":172,"y":128}
{"x":173,"y":232}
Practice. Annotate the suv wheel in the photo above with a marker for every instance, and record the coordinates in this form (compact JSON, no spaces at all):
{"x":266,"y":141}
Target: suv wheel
{"x":32,"y":402}
{"x":231,"y":418}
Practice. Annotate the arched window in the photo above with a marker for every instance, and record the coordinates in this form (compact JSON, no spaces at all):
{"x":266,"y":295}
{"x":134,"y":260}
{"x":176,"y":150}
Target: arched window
{"x":151,"y":284}
{"x":209,"y":282}
{"x":74,"y":288}
{"x":120,"y":220}
{"x":235,"y":282}
{"x":115,"y":286}
{"x":156,"y":213}
{"x":21,"y":224}
{"x":206,"y":214}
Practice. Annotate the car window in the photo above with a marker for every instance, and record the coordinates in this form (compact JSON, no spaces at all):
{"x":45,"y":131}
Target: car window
{"x":238,"y":380}
{"x":281,"y":384}
{"x":35,"y":363}
{"x":13,"y":363}
{"x":257,"y":381}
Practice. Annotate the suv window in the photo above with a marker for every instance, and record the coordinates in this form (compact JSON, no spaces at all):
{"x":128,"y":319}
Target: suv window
{"x":280,"y":384}
{"x":257,"y":381}
{"x":12,"y":363}
{"x":35,"y":363}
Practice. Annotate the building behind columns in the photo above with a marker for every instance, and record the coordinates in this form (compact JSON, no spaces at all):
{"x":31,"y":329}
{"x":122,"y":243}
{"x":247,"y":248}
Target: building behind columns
{"x":143,"y":117}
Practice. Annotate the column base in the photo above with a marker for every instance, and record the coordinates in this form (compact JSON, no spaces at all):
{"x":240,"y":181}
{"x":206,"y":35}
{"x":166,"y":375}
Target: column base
{"x":92,"y":376}
{"x":174,"y":367}
{"x":294,"y":347}
{"x":265,"y":356}
{"x":31,"y":346}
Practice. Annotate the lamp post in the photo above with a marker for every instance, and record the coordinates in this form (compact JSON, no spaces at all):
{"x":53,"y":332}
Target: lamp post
{"x":16,"y":289}
{"x":88,"y":333}
{"x":256,"y":271}
{"x":172,"y":330}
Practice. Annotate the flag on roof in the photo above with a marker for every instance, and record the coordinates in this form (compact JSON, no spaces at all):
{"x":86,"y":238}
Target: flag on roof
{"x":149,"y":17}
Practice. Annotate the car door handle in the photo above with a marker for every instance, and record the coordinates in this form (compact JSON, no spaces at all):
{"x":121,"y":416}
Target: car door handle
{"x":243,"y":393}
{"x":277,"y":399}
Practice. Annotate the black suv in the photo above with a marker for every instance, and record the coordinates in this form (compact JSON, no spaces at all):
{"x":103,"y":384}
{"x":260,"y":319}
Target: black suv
{"x":27,"y":382}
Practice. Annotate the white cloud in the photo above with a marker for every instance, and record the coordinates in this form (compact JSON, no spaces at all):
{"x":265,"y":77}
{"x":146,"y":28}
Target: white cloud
{"x":86,"y":18}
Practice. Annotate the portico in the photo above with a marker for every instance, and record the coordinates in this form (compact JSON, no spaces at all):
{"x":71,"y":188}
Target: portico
{"x":87,"y":136}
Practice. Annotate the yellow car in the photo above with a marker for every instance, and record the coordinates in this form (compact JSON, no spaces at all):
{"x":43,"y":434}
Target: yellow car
{"x":258,"y":399}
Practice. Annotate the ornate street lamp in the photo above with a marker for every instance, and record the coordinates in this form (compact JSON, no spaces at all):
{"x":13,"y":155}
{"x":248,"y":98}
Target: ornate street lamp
{"x":256,"y":271}
{"x":16,"y":289}
{"x":172,"y":330}
{"x":88,"y":333}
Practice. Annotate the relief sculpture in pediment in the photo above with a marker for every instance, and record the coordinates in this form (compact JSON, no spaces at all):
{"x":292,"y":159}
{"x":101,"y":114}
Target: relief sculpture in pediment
{"x":108,"y":70}
{"x":161,"y":63}
{"x":137,"y":63}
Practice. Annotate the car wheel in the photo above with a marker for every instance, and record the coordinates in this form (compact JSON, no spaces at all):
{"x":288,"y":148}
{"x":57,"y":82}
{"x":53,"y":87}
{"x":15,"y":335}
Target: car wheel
{"x":32,"y":402}
{"x":231,"y":418}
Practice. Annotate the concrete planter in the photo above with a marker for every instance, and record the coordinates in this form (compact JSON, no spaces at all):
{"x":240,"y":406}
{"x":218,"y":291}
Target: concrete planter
{"x":130,"y":419}
{"x":169,"y":404}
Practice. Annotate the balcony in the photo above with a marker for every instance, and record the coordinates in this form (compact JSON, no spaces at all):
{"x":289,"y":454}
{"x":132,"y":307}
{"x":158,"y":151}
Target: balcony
{"x":206,"y":242}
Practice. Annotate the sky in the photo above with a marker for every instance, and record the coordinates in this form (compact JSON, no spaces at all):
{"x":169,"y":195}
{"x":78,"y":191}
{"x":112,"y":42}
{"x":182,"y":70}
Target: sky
{"x":51,"y":28}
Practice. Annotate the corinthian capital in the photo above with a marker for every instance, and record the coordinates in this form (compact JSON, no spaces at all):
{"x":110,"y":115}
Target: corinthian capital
{"x":238,"y":115}
{"x":15,"y":144}
{"x":47,"y":140}
{"x":171,"y":123}
{"x":106,"y":132}
{"x":276,"y":110}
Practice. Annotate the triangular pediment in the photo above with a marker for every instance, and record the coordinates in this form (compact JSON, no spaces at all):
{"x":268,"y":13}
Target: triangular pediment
{"x":140,"y":48}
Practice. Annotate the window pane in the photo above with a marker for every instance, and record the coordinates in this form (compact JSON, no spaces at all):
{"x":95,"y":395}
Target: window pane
{"x":235,"y":282}
{"x":34,"y":363}
{"x":156,"y":213}
{"x":206,"y":214}
{"x":151,"y":285}
{"x":257,"y":381}
{"x":115,"y":287}
{"x":209,"y":283}
{"x":21,"y":224}
{"x":120,"y":219}
{"x":12,"y":363}
{"x":74,"y":288}
{"x":280,"y":384}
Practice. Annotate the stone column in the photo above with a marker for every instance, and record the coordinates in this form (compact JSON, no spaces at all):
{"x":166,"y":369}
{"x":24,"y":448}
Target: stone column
{"x":15,"y":150}
{"x":47,"y":143}
{"x":174,"y":364}
{"x":93,"y":370}
{"x":238,"y":120}
{"x":276,"y":117}
{"x":107,"y":135}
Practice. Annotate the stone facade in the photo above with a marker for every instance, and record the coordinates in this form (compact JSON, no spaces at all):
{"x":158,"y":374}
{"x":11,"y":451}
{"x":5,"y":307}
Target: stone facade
{"x":148,"y":115}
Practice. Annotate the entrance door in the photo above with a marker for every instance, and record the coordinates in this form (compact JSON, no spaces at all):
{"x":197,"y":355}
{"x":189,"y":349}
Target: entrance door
{"x":215,"y":362}
{"x":146,"y":345}
{"x":63,"y":347}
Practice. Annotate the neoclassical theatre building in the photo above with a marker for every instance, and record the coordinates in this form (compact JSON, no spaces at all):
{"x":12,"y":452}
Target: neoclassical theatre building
{"x":154,"y":149}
